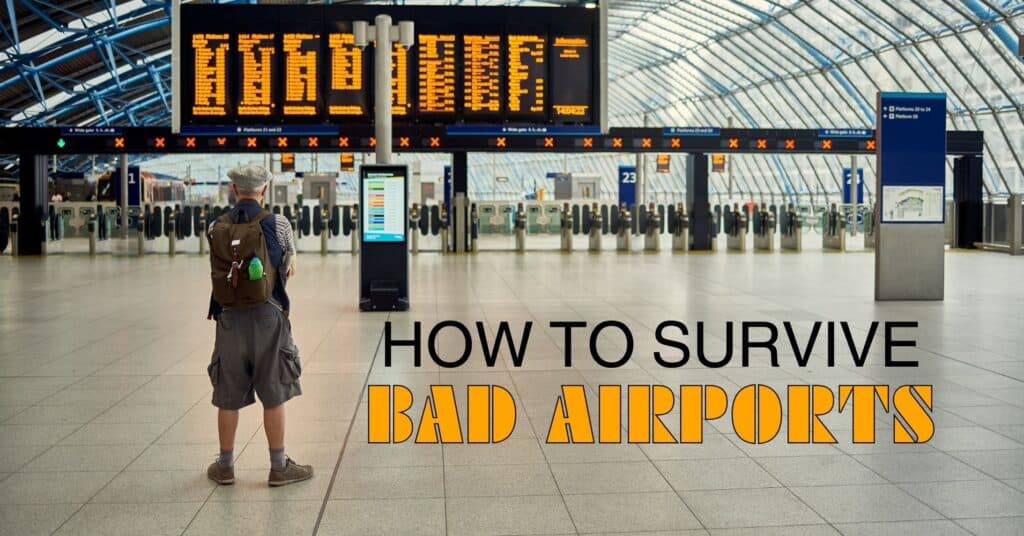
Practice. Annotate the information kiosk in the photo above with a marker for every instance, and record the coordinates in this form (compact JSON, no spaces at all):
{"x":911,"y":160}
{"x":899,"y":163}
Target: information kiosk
{"x":384,"y":258}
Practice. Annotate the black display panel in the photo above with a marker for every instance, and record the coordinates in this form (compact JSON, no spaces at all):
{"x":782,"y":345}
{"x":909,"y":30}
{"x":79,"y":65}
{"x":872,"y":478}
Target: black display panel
{"x":259,"y":65}
{"x":571,"y":92}
{"x":347,"y":74}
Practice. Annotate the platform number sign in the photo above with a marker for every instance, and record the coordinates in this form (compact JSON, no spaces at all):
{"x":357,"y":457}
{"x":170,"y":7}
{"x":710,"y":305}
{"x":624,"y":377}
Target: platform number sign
{"x":134,"y":186}
{"x":627,"y":185}
{"x":848,"y":189}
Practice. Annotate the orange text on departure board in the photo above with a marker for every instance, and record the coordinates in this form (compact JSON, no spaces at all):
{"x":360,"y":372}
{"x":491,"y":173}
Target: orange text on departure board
{"x":257,"y":55}
{"x":300,"y":73}
{"x":210,"y":85}
{"x":437,"y":73}
{"x":526,"y":73}
{"x":399,"y":80}
{"x":481,"y":73}
{"x":346,"y":72}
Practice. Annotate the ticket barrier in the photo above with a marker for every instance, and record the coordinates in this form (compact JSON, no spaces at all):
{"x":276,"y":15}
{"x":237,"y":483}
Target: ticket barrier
{"x":869,"y":227}
{"x":652,"y":232}
{"x":736,"y":228}
{"x":474,"y":229}
{"x":764,"y":230}
{"x":520,"y":228}
{"x":679,"y":226}
{"x":5,"y":227}
{"x":13,"y":230}
{"x":172,"y":232}
{"x":199,"y":221}
{"x":536,"y":221}
{"x":624,"y":237}
{"x":353,"y":218}
{"x":566,"y":224}
{"x":597,"y":228}
{"x":443,"y":223}
{"x":833,"y":235}
{"x":414,"y":225}
{"x":552,"y":218}
{"x":140,"y":236}
{"x":324,"y":224}
{"x":791,"y":229}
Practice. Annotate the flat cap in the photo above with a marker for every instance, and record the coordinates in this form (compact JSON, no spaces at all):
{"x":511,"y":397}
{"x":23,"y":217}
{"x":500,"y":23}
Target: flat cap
{"x":250,"y":178}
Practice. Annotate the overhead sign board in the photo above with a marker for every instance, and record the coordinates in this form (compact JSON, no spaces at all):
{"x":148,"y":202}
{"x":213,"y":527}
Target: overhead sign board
{"x":265,"y":65}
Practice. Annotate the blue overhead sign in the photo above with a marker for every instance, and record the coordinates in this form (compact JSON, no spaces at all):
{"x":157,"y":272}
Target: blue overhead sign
{"x":627,"y":185}
{"x":691,"y":131}
{"x":498,"y":130}
{"x":912,"y":157}
{"x":846,"y":133}
{"x":283,"y":130}
{"x":91,"y":131}
{"x":847,"y":190}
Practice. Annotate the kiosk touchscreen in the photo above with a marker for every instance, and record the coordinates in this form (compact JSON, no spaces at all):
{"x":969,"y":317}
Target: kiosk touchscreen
{"x":384,"y":253}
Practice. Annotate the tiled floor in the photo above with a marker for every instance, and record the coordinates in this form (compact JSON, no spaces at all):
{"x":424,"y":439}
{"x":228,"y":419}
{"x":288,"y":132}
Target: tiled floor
{"x":106,"y":425}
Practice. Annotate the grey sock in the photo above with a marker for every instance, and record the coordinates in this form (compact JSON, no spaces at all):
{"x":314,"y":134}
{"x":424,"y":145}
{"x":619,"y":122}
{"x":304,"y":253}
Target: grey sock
{"x":277,"y":459}
{"x":226,"y":458}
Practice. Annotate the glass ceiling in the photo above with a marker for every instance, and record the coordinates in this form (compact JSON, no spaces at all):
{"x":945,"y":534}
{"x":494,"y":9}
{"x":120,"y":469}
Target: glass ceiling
{"x":754,"y":63}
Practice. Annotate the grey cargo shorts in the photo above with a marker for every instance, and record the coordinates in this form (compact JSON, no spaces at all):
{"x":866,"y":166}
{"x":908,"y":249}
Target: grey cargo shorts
{"x":254,"y":354}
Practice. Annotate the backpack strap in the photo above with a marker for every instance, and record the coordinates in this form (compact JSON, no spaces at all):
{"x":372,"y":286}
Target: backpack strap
{"x":262,"y":214}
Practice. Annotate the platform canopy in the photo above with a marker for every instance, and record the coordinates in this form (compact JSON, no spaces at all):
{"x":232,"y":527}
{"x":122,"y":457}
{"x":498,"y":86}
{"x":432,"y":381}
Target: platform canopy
{"x":751,"y":63}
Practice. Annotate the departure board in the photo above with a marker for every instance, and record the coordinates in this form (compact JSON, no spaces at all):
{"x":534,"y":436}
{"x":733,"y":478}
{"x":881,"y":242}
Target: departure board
{"x":347,"y":93}
{"x":436,"y":74}
{"x":301,"y":82}
{"x":481,"y":75}
{"x":571,"y":94}
{"x":210,"y":53}
{"x":400,"y":103}
{"x":298,"y":64}
{"x":256,"y":80}
{"x":526,"y":75}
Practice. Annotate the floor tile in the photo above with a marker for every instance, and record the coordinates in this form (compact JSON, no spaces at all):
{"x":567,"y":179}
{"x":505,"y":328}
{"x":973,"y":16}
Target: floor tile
{"x":66,"y":458}
{"x":147,"y":487}
{"x":899,"y":528}
{"x":128,"y":519}
{"x":609,"y":477}
{"x":384,"y":517}
{"x":848,"y":504}
{"x":714,"y":474}
{"x":749,"y":508}
{"x":479,"y":516}
{"x":1001,"y":464}
{"x":919,"y":467}
{"x":983,"y":498}
{"x":254,"y":518}
{"x":498,"y":480}
{"x":52,"y":488}
{"x":994,"y":526}
{"x":34,"y":519}
{"x":819,"y":471}
{"x":389,"y":482}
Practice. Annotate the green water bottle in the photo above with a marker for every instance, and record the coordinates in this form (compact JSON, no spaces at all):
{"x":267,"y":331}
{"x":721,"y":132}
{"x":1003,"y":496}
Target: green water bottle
{"x":255,"y":269}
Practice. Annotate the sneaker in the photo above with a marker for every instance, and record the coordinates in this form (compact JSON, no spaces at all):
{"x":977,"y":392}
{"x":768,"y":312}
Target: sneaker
{"x":291,"y":474}
{"x":220,"y":474}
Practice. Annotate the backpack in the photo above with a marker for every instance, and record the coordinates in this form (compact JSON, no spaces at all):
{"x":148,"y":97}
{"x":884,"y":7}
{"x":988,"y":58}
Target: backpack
{"x":233,"y":246}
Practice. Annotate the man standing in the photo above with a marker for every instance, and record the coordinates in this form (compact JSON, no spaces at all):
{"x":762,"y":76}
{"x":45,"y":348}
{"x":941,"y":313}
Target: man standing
{"x":251,"y":259}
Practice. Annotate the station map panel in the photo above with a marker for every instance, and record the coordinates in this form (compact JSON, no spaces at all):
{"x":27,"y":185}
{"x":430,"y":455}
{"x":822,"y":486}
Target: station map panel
{"x":262,"y":65}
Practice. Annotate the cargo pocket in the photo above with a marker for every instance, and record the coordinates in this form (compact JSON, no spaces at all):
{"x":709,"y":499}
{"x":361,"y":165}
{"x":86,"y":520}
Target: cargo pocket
{"x":291,"y":367}
{"x":213,"y":370}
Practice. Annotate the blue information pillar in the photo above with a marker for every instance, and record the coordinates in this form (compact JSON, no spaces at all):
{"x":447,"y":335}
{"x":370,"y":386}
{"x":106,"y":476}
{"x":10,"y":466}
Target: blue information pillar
{"x":627,"y":185}
{"x":910,"y":244}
